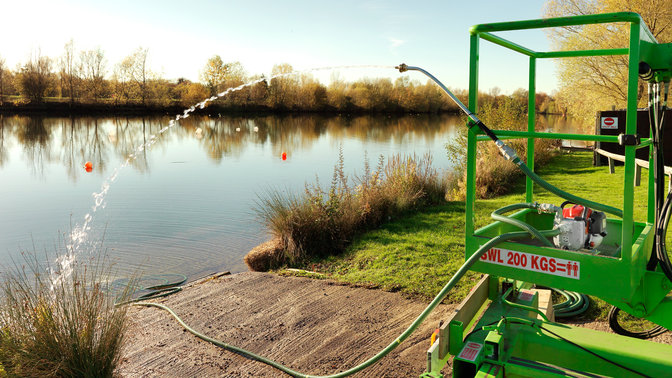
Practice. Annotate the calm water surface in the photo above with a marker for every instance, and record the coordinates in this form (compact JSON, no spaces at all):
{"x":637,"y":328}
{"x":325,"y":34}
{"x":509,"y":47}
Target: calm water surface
{"x":185,"y":205}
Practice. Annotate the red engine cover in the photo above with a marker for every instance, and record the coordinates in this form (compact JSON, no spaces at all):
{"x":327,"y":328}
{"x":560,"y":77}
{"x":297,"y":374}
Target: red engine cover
{"x":576,"y":211}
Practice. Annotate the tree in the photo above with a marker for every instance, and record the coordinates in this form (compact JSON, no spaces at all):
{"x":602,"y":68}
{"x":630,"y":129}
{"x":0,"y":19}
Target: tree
{"x":213,"y":74}
{"x":93,"y":72}
{"x":123,"y":91}
{"x":35,"y":77}
{"x":217,"y":75}
{"x":590,"y":84}
{"x":190,"y":93}
{"x":2,"y":81}
{"x":283,"y":88}
{"x":140,"y":72}
{"x":69,"y":71}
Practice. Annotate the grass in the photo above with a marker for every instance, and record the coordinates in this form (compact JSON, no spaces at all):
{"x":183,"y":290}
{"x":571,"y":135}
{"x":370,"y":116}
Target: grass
{"x":417,"y":254}
{"x":58,"y":324}
{"x":321,"y":223}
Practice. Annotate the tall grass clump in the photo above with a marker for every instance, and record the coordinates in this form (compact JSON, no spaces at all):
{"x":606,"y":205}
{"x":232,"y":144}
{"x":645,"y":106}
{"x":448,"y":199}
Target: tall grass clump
{"x":323,"y":222}
{"x":60,"y":325}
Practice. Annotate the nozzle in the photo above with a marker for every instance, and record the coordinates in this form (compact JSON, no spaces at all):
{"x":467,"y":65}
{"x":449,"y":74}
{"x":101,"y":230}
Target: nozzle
{"x":402,"y":67}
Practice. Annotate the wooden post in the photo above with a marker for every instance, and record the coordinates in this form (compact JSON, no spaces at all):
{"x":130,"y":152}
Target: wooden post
{"x":611,"y":165}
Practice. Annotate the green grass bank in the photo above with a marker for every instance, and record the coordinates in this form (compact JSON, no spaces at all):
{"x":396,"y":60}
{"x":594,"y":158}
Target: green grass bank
{"x":417,"y":254}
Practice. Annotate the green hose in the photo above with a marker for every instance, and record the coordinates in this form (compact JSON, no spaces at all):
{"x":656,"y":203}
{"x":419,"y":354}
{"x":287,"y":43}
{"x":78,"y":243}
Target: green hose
{"x":560,"y":193}
{"x":416,"y":323}
{"x":574,"y":304}
{"x":498,"y":215}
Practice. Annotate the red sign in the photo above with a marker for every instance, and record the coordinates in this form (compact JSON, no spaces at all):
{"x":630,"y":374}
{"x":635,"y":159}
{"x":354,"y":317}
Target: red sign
{"x":470,"y":351}
{"x":609,"y":123}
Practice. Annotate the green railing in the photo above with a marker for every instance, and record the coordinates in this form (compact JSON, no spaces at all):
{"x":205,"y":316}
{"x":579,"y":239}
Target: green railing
{"x":621,"y":278}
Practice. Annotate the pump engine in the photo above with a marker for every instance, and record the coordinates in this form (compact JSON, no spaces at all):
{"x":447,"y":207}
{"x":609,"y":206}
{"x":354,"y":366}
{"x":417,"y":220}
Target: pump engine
{"x":580,"y":227}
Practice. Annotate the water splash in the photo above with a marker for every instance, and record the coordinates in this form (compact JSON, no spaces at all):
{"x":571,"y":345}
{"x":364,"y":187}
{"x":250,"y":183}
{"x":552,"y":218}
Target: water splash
{"x":77,"y":240}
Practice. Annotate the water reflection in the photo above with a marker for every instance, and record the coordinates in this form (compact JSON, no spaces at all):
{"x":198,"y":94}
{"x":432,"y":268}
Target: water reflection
{"x":73,"y":141}
{"x":186,"y":203}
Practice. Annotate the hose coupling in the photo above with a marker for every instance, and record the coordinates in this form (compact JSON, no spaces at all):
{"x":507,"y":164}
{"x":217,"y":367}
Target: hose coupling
{"x":402,"y":67}
{"x":548,"y":208}
{"x":507,"y":152}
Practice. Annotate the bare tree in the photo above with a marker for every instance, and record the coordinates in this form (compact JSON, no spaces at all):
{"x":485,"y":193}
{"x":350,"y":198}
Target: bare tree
{"x":140,"y":72}
{"x":93,"y":72}
{"x":69,"y":70}
{"x":35,"y":77}
{"x":123,"y":74}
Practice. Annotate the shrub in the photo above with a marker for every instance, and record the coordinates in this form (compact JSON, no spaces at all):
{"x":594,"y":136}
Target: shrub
{"x":58,"y":324}
{"x":320,"y":223}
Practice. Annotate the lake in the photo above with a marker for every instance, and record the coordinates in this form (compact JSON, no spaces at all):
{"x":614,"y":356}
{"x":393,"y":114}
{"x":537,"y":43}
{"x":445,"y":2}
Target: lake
{"x":185,"y":205}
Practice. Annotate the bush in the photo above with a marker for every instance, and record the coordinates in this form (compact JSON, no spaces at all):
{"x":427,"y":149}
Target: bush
{"x":59,"y":324}
{"x":320,"y":223}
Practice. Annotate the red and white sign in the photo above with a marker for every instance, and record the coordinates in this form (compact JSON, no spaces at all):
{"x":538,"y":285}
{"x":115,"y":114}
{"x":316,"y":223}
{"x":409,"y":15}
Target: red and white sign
{"x":610,"y":123}
{"x":532,"y":262}
{"x":470,"y":351}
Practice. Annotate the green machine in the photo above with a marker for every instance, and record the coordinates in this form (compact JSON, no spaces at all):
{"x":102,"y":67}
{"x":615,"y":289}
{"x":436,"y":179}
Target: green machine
{"x":504,"y":327}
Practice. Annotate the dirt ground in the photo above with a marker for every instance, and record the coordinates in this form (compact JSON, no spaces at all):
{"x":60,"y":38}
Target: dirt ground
{"x":312,"y":326}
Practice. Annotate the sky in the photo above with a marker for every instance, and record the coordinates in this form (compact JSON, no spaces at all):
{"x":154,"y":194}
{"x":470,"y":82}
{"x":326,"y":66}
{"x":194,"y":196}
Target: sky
{"x":182,"y":35}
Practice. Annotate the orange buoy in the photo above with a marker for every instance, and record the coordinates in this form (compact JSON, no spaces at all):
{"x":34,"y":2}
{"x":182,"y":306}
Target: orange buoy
{"x":88,"y":166}
{"x":284,"y":156}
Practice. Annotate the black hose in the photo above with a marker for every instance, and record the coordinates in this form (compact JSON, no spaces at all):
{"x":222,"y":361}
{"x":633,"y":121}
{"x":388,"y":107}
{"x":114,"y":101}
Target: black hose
{"x":663,"y":208}
{"x":618,"y":328}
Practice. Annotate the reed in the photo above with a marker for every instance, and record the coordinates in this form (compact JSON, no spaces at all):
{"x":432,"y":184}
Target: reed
{"x":60,"y":325}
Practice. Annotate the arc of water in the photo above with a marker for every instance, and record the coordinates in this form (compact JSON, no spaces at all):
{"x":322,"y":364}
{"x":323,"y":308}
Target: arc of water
{"x":79,"y":233}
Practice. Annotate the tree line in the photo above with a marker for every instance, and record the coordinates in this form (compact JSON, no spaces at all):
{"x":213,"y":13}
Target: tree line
{"x":86,"y":77}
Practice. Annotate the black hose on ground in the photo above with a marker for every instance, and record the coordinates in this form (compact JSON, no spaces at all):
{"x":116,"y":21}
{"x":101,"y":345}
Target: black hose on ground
{"x":615,"y":325}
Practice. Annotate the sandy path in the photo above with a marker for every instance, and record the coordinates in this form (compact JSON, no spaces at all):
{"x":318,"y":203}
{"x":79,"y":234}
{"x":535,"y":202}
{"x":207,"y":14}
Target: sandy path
{"x":313,"y":326}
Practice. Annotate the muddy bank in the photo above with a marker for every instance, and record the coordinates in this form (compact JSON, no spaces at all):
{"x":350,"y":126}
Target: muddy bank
{"x":313,"y":326}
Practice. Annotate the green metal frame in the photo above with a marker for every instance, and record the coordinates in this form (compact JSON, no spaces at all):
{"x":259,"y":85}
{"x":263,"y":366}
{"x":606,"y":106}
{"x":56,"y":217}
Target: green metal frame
{"x":618,"y":276}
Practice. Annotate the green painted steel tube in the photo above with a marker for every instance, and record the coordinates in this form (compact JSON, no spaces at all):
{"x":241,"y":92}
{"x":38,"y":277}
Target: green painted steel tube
{"x":603,"y":18}
{"x":498,"y":215}
{"x":531,"y":120}
{"x":581,"y":53}
{"x":528,"y":134}
{"x":416,"y":323}
{"x":508,"y":44}
{"x":570,"y":197}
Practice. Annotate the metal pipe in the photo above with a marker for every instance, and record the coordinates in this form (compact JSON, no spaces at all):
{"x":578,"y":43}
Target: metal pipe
{"x":403,"y":68}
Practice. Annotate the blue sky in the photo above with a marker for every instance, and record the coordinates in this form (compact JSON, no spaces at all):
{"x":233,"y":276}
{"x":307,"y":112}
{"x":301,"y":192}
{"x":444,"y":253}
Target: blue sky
{"x":182,"y":35}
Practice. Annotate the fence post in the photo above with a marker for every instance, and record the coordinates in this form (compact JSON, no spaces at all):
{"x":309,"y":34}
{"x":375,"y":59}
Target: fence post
{"x":611,"y":165}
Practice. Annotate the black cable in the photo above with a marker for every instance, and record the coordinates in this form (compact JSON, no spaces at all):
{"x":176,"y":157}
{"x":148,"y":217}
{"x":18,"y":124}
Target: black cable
{"x":479,"y":329}
{"x":593,"y":353}
{"x":618,"y":328}
{"x":663,"y":209}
